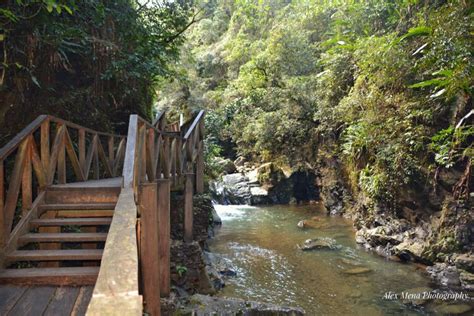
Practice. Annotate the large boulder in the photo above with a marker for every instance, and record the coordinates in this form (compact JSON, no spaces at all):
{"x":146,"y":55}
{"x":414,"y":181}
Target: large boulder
{"x":236,"y":188}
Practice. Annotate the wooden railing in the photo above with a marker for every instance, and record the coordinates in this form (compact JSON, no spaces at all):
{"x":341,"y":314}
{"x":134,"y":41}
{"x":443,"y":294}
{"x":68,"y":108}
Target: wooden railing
{"x":30,"y":162}
{"x":156,"y":157}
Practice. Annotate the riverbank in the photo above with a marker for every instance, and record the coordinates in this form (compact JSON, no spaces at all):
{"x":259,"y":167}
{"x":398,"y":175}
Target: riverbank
{"x":262,"y":245}
{"x":438,"y":234}
{"x":197,"y":276}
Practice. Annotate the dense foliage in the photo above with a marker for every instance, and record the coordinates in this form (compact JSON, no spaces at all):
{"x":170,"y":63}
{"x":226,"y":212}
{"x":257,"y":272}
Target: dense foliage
{"x":383,"y":84}
{"x":92,"y":62}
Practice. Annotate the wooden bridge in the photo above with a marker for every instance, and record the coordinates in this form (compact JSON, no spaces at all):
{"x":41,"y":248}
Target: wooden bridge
{"x":85,"y":215}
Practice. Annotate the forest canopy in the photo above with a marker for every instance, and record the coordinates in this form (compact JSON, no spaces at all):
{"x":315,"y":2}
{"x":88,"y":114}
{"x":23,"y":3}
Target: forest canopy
{"x":88,"y":61}
{"x":384,"y":85}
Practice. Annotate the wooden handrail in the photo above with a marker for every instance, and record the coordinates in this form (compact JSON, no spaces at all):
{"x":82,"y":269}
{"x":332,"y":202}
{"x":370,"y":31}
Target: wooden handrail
{"x":47,"y":163}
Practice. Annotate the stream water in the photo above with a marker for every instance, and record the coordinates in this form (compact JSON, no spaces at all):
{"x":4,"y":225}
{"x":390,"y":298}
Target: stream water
{"x":260,"y":243}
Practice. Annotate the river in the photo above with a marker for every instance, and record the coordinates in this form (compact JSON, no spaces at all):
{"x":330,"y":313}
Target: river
{"x":261,"y":245}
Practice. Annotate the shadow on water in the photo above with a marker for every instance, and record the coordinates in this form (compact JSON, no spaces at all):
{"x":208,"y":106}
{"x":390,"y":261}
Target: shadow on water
{"x":261,"y":243}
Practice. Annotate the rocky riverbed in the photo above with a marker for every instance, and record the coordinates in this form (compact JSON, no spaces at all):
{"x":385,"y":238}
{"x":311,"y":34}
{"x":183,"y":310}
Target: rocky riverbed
{"x":438,"y":234}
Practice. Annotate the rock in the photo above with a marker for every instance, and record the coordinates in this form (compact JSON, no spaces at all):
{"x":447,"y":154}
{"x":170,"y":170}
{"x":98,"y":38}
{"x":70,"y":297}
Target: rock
{"x":415,"y":296}
{"x":227,"y":166}
{"x":239,"y":162}
{"x":409,"y":249}
{"x":321,"y":243}
{"x":301,"y":224}
{"x":467,"y":280}
{"x":236,"y":188}
{"x":358,"y":270}
{"x":452,"y":309}
{"x":259,"y":196}
{"x":465,"y":262}
{"x":444,"y":274}
{"x":216,"y":220}
{"x":203,"y":305}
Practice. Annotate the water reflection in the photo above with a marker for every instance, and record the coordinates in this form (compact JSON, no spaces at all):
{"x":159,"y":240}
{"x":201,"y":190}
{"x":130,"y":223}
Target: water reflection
{"x":262,"y":246}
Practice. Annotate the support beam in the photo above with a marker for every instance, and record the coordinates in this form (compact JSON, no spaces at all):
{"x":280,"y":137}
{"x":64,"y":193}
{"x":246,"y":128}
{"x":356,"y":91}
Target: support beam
{"x":200,"y":168}
{"x":149,"y":259}
{"x":188,"y":207}
{"x":164,"y":231}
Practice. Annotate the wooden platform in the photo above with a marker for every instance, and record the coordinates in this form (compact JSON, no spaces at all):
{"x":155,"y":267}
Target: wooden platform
{"x":44,"y":300}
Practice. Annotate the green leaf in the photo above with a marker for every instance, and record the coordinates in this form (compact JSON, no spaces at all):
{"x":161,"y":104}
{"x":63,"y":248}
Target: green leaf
{"x":58,"y":9}
{"x":416,"y":31}
{"x":49,"y":7}
{"x":68,"y":9}
{"x":446,"y":73}
{"x":2,"y":37}
{"x":35,"y":81}
{"x":432,"y":82}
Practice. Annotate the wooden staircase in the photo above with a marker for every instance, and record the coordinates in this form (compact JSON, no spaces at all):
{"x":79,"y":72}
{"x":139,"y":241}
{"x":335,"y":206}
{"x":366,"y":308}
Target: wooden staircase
{"x":64,"y":244}
{"x":80,"y":207}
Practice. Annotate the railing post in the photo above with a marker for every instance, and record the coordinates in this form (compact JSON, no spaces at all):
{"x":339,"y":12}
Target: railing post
{"x":188,"y":207}
{"x":149,"y":259}
{"x":164,"y":230}
{"x":200,"y":168}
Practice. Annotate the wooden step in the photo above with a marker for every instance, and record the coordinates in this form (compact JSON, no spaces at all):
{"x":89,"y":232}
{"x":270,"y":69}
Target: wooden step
{"x":55,"y":255}
{"x":62,"y":237}
{"x":70,"y":222}
{"x":50,"y":276}
{"x":69,"y":194}
{"x":77,"y":206}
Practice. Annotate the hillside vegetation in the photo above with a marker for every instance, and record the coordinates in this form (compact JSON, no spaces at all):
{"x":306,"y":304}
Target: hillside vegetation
{"x":382,"y":85}
{"x":90,"y":62}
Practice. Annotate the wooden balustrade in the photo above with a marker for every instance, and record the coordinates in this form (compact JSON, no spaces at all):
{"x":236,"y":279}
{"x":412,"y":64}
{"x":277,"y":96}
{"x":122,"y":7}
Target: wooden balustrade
{"x":48,"y":151}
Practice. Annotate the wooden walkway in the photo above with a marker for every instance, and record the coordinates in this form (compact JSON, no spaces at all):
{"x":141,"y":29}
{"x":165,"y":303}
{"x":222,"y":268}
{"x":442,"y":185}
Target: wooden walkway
{"x":44,"y":300}
{"x":85,"y":215}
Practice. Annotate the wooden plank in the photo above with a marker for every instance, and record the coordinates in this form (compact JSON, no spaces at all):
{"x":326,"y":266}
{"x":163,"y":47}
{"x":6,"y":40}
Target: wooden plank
{"x":71,"y":153}
{"x":164,"y":235}
{"x":45,"y":144}
{"x":196,"y":121}
{"x":188,"y":208}
{"x":121,"y":305}
{"x":55,"y":255}
{"x":58,"y":140}
{"x":111,"y":151}
{"x":62,"y":302}
{"x":200,"y":168}
{"x":14,"y":187}
{"x":21,"y":136}
{"x":149,"y":258}
{"x":150,"y":155}
{"x":22,"y":227}
{"x":70,"y":222}
{"x":38,"y":166}
{"x":130,"y":152}
{"x":85,"y":206}
{"x":26,"y":183}
{"x":62,"y":237}
{"x":62,"y":160}
{"x":49,"y":246}
{"x":83,"y":299}
{"x":116,"y":287}
{"x":90,"y":156}
{"x":85,"y":213}
{"x":119,"y":157}
{"x":76,"y":126}
{"x":140,"y":176}
{"x":82,"y":151}
{"x":96,"y":158}
{"x":34,"y":301}
{"x":9,"y":297}
{"x":105,"y":160}
{"x":50,"y":276}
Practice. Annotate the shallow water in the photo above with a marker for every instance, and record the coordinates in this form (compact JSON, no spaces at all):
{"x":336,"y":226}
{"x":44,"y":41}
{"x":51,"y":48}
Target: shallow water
{"x":261,"y":244}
